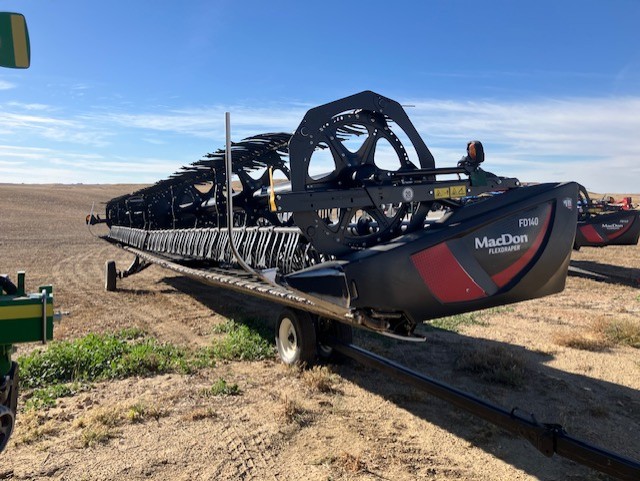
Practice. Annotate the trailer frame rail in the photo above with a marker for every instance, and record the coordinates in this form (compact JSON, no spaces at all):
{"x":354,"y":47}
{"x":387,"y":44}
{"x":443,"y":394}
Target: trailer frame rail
{"x":547,"y":438}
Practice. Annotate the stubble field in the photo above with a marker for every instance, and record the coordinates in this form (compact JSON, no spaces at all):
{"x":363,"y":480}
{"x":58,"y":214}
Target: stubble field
{"x":568,"y":358}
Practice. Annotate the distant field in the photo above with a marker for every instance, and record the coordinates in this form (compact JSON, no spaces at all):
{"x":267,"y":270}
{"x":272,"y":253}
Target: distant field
{"x":572,"y":358}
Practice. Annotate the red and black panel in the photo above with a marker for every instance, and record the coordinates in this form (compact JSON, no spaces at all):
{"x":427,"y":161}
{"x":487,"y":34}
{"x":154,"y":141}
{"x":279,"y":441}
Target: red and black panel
{"x":486,"y":260}
{"x":507,"y":248}
{"x":612,"y":228}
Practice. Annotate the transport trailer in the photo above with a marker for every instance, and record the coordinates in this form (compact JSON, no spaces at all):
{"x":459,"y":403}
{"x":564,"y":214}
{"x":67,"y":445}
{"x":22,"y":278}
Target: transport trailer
{"x":356,"y":244}
{"x":23,"y":318}
{"x":605,"y":223}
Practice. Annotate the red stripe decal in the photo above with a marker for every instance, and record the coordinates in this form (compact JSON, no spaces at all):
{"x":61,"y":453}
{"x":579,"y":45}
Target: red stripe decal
{"x":504,"y":277}
{"x":444,"y":276}
{"x":589,"y":233}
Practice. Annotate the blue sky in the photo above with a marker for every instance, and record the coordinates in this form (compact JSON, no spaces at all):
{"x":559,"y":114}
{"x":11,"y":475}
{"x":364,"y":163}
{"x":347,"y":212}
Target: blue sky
{"x":130,"y":91}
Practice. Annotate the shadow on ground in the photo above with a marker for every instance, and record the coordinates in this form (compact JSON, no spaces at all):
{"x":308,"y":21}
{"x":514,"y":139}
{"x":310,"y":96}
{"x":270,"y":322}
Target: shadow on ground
{"x":595,"y":411}
{"x":611,"y":274}
{"x":226,"y":302}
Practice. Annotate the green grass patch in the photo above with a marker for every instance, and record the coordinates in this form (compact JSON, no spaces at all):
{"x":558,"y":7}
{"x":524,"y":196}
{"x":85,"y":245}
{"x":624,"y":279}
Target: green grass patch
{"x":624,"y":332}
{"x":222,"y":388}
{"x":45,"y":397}
{"x":244,"y":342}
{"x":585,"y":341}
{"x":498,"y":310}
{"x":454,"y":323}
{"x":495,"y":364}
{"x":97,"y":357}
{"x":65,"y":368}
{"x":140,"y":412}
{"x":603,"y":334}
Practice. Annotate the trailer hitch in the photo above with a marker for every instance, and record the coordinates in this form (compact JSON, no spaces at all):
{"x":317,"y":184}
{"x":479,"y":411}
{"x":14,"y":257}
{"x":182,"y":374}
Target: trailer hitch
{"x":541,"y":435}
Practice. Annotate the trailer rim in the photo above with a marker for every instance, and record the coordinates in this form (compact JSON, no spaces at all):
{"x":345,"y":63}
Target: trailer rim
{"x":296,"y":338}
{"x":6,"y":426}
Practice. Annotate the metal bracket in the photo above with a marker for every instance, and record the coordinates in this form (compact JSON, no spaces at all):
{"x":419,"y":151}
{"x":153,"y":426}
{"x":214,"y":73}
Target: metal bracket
{"x":136,"y":266}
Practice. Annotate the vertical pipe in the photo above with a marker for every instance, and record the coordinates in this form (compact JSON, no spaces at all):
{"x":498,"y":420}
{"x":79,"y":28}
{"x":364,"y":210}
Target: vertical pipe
{"x":228,"y":169}
{"x":229,"y":173}
{"x":44,"y":316}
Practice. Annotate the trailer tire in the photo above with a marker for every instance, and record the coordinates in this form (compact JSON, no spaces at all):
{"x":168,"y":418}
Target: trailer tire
{"x":296,"y":338}
{"x":336,"y":331}
{"x":110,"y":276}
{"x":7,"y":286}
{"x":6,"y":426}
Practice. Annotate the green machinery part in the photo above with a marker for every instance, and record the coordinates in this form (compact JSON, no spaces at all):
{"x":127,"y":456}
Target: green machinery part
{"x":23,"y":318}
{"x":15,"y":51}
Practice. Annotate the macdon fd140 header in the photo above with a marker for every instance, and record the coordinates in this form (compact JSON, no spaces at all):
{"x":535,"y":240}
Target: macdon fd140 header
{"x":351,"y":213}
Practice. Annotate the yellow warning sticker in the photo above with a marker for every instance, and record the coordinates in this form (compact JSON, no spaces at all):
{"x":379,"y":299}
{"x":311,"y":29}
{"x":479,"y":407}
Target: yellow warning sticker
{"x":458,"y":190}
{"x":441,"y":193}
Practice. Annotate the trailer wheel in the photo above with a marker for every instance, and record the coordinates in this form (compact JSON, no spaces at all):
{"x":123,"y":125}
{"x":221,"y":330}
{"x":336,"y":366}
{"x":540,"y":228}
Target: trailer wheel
{"x":110,"y":275}
{"x":329,"y":329}
{"x":6,"y":426}
{"x":296,"y":338}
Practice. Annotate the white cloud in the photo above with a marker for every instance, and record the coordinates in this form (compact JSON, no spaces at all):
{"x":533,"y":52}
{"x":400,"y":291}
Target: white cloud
{"x":4,"y":85}
{"x":42,"y":165}
{"x":209,"y":122}
{"x":590,"y":140}
{"x":29,"y":106}
{"x":56,"y":128}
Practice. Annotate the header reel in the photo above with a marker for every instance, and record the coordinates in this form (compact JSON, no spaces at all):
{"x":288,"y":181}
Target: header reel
{"x":358,"y":175}
{"x":360,"y":183}
{"x":375,"y":191}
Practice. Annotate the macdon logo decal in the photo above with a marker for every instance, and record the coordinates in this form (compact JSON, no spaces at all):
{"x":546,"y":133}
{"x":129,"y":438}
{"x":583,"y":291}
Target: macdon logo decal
{"x":612,"y":226}
{"x":504,"y":243}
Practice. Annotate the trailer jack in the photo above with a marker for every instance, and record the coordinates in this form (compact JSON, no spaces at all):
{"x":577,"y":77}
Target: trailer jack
{"x":112,"y":274}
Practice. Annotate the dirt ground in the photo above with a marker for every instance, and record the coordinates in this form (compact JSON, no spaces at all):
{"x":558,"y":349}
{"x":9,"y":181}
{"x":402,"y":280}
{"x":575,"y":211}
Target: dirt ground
{"x":366,"y":427}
